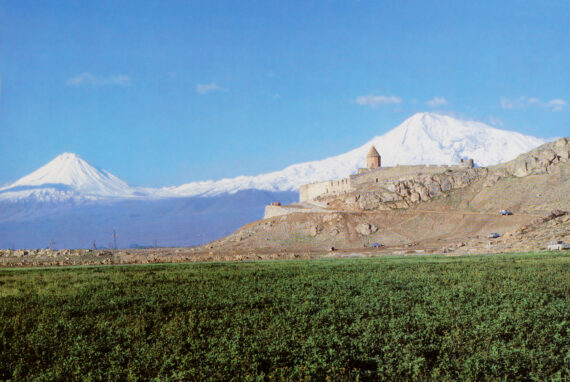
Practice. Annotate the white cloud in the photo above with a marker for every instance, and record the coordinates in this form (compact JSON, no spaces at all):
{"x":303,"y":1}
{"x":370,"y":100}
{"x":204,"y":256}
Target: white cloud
{"x":208,"y":88}
{"x":437,"y":101}
{"x":374,"y":101}
{"x":557,"y":104}
{"x":93,"y":80}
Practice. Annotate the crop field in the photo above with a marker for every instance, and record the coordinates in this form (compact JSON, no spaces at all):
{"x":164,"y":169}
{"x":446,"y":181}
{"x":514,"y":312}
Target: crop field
{"x":500,"y":317}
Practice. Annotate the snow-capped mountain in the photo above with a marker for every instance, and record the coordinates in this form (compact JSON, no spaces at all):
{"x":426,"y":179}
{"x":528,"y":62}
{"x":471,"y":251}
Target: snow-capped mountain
{"x":68,"y":176}
{"x":424,"y":138}
{"x":76,"y":204}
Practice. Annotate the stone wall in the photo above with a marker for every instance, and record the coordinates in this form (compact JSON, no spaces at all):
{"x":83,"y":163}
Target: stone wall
{"x":329,"y":187}
{"x":273,"y":211}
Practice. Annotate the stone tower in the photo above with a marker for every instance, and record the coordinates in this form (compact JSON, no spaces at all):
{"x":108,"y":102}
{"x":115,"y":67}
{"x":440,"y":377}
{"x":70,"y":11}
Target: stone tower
{"x":373,"y":158}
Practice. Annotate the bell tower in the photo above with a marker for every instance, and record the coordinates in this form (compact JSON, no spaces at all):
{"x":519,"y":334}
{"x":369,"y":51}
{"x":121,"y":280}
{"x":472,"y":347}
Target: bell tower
{"x":373,"y":158}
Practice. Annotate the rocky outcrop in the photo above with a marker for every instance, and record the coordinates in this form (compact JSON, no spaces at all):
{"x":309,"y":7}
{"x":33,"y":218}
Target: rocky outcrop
{"x":366,"y":229}
{"x":539,"y":160}
{"x":422,"y":188}
{"x":404,"y":192}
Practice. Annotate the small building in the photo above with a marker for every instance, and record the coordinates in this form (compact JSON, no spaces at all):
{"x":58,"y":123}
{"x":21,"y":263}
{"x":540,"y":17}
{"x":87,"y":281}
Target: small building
{"x":373,"y":159}
{"x":466,"y":163}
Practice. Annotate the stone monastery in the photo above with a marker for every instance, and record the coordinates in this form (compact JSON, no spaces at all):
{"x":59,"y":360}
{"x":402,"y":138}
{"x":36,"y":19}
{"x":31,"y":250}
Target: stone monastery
{"x":373,"y":175}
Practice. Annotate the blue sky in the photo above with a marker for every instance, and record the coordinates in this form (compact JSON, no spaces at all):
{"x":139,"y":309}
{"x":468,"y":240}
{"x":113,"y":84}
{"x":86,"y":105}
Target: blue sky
{"x":167,"y":92}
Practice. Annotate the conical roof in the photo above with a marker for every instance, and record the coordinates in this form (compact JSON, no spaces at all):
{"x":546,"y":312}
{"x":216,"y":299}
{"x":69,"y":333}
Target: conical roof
{"x":373,"y":152}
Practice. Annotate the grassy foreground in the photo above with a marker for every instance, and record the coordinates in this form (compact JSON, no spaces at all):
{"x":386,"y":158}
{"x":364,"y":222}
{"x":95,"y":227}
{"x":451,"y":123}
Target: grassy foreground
{"x":408,"y":318}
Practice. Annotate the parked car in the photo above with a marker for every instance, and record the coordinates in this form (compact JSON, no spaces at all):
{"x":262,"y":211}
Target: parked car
{"x":275,"y":204}
{"x":493,"y":235}
{"x":374,"y":245}
{"x":558,"y":246}
{"x":505,"y":212}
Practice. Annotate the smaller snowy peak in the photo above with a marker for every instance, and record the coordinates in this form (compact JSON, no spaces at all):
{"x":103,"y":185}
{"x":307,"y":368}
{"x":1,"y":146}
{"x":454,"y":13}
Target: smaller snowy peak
{"x":67,"y":176}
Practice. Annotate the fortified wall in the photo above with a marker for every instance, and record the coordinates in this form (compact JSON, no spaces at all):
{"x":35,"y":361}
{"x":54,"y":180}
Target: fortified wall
{"x":373,"y":174}
{"x":329,"y":187}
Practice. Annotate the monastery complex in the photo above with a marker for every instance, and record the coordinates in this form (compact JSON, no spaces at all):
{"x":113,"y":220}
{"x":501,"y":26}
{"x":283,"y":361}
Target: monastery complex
{"x":373,"y":175}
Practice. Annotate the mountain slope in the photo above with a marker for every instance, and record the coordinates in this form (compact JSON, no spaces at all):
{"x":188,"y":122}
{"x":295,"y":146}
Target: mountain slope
{"x":424,"y":138}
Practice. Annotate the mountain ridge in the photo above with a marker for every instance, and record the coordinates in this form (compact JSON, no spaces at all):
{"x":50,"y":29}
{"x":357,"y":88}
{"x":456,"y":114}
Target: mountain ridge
{"x":424,"y":138}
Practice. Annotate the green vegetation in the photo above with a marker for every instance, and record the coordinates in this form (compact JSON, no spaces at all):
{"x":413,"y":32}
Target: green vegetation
{"x":407,"y":318}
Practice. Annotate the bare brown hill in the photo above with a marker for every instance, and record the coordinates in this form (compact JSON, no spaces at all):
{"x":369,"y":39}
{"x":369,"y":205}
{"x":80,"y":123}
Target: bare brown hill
{"x":451,"y":211}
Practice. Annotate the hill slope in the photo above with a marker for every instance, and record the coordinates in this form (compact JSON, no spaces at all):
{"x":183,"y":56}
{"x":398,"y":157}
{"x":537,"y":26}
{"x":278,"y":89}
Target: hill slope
{"x":531,"y":186}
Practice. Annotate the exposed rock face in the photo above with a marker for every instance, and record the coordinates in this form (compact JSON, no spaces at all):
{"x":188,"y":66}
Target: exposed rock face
{"x":421,"y":188}
{"x":539,"y":160}
{"x":315,"y":230}
{"x":404,"y":192}
{"x":366,"y":229}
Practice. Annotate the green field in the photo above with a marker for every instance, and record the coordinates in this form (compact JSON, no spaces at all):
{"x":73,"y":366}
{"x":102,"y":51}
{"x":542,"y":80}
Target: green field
{"x":503,"y":317}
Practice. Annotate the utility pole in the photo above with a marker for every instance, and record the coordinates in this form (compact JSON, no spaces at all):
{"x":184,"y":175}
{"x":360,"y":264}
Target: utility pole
{"x":155,"y":242}
{"x":51,"y":244}
{"x":115,"y":239}
{"x":94,"y":245}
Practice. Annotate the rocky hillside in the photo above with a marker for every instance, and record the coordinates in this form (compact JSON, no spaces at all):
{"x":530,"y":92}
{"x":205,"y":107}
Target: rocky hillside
{"x":451,"y":211}
{"x":540,"y":160}
{"x":404,"y":192}
{"x":535,"y":235}
{"x":550,"y":160}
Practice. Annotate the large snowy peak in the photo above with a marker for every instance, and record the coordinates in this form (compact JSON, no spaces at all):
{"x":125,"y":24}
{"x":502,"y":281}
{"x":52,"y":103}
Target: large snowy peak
{"x":424,"y":138}
{"x":67,"y":176}
{"x":429,"y":138}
